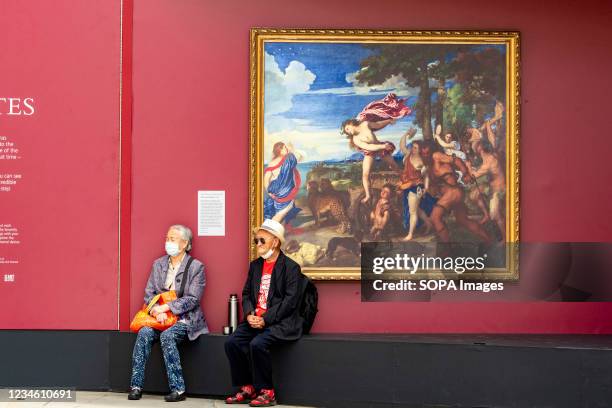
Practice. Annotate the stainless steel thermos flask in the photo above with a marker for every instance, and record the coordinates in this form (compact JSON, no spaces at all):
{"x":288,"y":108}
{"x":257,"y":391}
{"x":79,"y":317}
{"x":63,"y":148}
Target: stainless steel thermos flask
{"x":232,"y":317}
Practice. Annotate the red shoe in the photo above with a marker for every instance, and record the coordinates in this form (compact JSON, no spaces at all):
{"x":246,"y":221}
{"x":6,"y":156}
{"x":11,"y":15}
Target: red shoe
{"x":264,"y":399}
{"x":244,"y":396}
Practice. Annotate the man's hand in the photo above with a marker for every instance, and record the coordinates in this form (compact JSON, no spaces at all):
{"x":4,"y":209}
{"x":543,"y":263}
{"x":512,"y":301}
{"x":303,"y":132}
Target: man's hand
{"x":259,"y":323}
{"x":161,"y":317}
{"x":255,"y":322}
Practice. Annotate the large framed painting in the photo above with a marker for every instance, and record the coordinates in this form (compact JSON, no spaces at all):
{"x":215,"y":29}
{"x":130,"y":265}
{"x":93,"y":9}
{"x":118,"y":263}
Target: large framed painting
{"x":383,"y":136}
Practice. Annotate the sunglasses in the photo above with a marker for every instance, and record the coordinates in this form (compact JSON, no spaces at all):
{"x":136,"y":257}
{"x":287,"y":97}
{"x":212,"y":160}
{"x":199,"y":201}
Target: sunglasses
{"x":259,"y":240}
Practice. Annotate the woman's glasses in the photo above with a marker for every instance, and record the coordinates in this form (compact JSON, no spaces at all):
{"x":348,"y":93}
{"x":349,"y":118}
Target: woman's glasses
{"x":259,"y":240}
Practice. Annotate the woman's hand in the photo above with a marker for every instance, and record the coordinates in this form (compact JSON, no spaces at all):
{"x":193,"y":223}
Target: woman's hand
{"x":161,"y":317}
{"x":154,"y":311}
{"x":157,"y":309}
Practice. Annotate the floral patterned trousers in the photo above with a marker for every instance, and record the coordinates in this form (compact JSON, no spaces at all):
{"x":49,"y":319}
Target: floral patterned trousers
{"x":169,"y":339}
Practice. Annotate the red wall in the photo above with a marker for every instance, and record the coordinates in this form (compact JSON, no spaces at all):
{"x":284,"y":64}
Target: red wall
{"x":65,"y":55}
{"x":190,"y":132}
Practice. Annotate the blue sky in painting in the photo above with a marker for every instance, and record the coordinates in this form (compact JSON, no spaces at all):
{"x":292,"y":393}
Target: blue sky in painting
{"x":309,"y":90}
{"x":329,"y":62}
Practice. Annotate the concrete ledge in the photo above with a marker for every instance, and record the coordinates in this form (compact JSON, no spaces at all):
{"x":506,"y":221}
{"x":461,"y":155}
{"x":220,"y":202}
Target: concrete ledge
{"x":340,"y":370}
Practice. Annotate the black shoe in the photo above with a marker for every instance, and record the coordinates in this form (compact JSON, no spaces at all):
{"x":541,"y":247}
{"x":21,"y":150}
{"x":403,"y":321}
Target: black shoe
{"x":175,"y":397}
{"x":135,"y":394}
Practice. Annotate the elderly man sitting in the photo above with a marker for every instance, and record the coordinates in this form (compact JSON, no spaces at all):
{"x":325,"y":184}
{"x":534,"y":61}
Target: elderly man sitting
{"x":270,"y":305}
{"x":167,"y":274}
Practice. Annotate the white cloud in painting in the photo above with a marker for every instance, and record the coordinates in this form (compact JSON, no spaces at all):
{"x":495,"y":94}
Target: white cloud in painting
{"x":348,"y":90}
{"x":280,"y":87}
{"x":278,"y":123}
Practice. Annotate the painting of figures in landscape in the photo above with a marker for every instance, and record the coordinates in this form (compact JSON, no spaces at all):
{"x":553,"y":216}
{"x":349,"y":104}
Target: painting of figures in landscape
{"x":380,"y":141}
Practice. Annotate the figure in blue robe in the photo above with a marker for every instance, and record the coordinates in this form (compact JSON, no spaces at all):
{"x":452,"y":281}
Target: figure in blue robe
{"x":284,"y":188}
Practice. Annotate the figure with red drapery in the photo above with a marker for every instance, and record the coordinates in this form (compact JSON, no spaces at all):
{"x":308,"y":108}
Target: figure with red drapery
{"x":282,"y":182}
{"x":360,"y":133}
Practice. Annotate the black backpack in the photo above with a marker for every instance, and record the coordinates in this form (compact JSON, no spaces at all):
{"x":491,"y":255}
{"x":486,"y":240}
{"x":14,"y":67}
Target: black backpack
{"x":308,"y":306}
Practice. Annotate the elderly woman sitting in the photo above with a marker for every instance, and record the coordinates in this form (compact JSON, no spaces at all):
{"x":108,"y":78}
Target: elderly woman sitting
{"x":167,"y":273}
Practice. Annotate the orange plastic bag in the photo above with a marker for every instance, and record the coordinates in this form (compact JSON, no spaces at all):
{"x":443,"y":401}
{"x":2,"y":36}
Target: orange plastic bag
{"x":143,"y":318}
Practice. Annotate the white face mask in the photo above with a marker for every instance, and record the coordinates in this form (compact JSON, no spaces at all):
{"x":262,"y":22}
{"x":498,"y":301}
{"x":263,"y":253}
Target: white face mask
{"x":268,"y":254}
{"x":172,"y":248}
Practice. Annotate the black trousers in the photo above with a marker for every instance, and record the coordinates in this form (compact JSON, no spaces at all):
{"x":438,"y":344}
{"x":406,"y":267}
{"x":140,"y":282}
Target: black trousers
{"x":248,"y":351}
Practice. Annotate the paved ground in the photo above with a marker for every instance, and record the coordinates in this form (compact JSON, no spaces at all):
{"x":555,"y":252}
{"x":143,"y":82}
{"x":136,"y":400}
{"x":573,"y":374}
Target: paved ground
{"x":88,"y":399}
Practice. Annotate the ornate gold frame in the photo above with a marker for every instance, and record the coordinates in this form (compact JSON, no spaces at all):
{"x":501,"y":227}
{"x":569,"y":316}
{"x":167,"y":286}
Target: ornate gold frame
{"x":258,"y":36}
